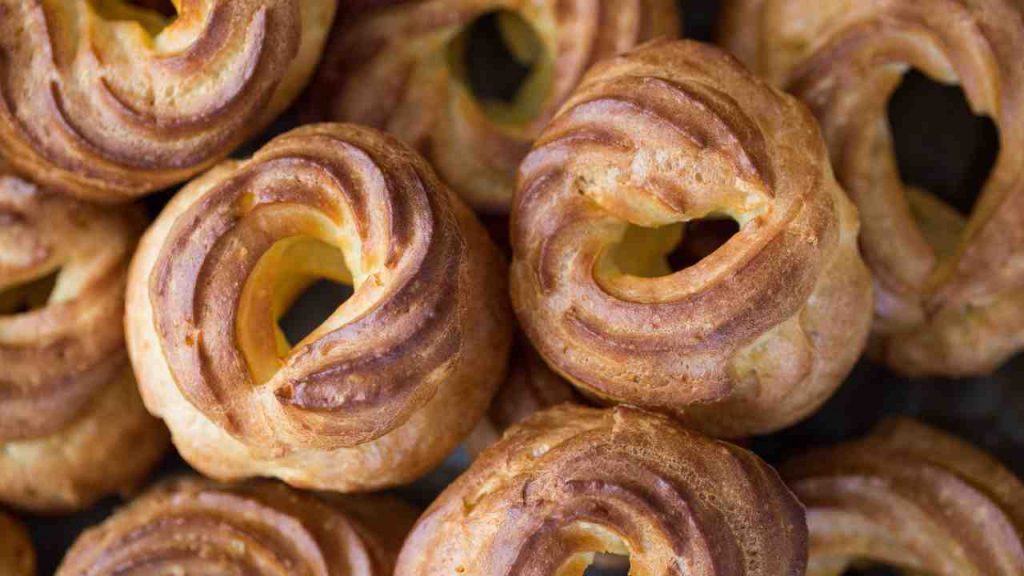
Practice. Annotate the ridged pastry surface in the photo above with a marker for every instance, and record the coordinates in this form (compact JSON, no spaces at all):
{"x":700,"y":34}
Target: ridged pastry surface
{"x":950,"y":297}
{"x":752,"y":337}
{"x":67,"y":396}
{"x":388,"y":383}
{"x":58,"y":348}
{"x":401,"y":66}
{"x":911,"y":497}
{"x":109,"y":101}
{"x":571,"y":482}
{"x":195,"y":527}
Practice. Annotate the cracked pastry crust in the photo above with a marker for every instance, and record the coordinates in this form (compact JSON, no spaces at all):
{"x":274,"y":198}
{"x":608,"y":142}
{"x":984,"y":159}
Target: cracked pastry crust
{"x":571,"y":481}
{"x":193,"y":526}
{"x":912,"y":497}
{"x":400,"y":66}
{"x":68,"y":401}
{"x":380,"y":392}
{"x":753,"y":337}
{"x":949,"y":297}
{"x":108,"y":101}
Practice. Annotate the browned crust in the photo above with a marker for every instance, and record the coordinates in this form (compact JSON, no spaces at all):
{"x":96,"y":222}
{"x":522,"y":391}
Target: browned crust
{"x":389,"y":67}
{"x":56,"y":357}
{"x":949,"y":298}
{"x":199,"y":527}
{"x":428,"y":324}
{"x":67,"y":395}
{"x":108,"y":449}
{"x":753,"y":337}
{"x":103,"y":110}
{"x":910,"y":496}
{"x":559,"y":483}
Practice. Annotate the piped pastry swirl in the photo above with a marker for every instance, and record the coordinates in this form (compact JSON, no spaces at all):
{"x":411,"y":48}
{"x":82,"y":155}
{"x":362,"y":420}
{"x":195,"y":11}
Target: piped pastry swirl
{"x":571,"y":482}
{"x":752,"y":337}
{"x":950,"y":296}
{"x":196,"y":527}
{"x":401,"y":67}
{"x":382,"y":389}
{"x":63,"y":268}
{"x":912,"y":497}
{"x":108,"y":101}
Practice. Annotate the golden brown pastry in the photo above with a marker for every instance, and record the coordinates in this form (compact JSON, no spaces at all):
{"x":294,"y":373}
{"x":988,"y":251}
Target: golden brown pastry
{"x":108,"y":100}
{"x":949,"y":297}
{"x":17,"y":558}
{"x":911,"y":497}
{"x":531,"y":386}
{"x":571,"y":482}
{"x":401,"y":67}
{"x":751,"y":338}
{"x":192,"y":526}
{"x":382,"y":390}
{"x":72,"y":426}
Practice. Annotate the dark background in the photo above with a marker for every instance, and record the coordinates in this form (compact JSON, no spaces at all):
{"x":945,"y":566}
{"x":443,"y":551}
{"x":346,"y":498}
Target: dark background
{"x":941,"y":147}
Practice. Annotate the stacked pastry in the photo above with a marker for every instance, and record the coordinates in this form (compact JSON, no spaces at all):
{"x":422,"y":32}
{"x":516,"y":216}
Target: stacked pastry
{"x":616,"y":158}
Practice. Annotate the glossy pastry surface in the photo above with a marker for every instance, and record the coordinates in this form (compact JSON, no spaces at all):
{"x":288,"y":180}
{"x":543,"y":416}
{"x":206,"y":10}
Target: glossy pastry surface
{"x":196,"y":527}
{"x":109,"y":100}
{"x":67,"y":397}
{"x":571,"y":482}
{"x":403,"y":67}
{"x":388,"y":384}
{"x":949,"y":295}
{"x":911,"y":497}
{"x":752,"y":337}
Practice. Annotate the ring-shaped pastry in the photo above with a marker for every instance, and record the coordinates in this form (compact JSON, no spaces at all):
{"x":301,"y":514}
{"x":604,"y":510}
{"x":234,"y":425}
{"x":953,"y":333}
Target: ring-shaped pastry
{"x":384,"y":388}
{"x":752,"y":337}
{"x":72,"y":425}
{"x":572,"y":482}
{"x":949,"y":295}
{"x":107,"y":100}
{"x":401,"y":67}
{"x":912,"y":497}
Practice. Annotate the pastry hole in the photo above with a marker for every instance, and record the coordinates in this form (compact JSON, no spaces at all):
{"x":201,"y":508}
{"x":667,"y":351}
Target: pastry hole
{"x":501,"y":60}
{"x":312,"y":307}
{"x":162,"y":7}
{"x":153,"y":15}
{"x":700,"y":239}
{"x":605,"y":564}
{"x":291,"y":293}
{"x":28,"y":296}
{"x":941,"y":145}
{"x":701,"y":18}
{"x":656,"y":252}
